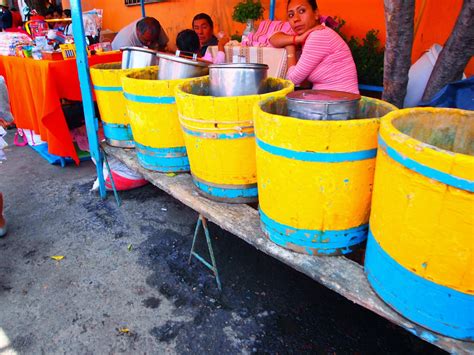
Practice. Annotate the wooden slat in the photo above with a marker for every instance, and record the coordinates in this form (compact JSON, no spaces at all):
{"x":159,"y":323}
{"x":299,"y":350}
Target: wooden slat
{"x":339,"y":274}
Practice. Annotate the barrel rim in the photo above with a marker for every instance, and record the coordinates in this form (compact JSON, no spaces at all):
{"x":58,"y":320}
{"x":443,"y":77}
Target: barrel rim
{"x":182,"y":94}
{"x":129,"y":83}
{"x":389,"y":132}
{"x":354,"y":122}
{"x":98,"y":68}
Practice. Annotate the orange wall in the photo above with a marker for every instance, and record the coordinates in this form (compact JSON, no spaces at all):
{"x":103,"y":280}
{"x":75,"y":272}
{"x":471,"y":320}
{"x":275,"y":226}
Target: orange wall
{"x":436,"y":23}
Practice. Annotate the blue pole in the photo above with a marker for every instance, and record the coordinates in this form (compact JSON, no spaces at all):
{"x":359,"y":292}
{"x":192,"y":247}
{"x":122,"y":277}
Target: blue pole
{"x":272,"y":9}
{"x":142,"y":3}
{"x":92,"y":124}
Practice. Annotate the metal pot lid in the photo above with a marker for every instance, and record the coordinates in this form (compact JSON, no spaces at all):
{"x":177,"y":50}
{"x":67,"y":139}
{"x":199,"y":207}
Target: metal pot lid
{"x":139,"y":49}
{"x":326,"y":96}
{"x":182,"y":60}
{"x":239,"y":66}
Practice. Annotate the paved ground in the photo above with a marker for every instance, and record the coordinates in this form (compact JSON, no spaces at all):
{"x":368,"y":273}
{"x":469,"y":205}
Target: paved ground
{"x":126,"y":268}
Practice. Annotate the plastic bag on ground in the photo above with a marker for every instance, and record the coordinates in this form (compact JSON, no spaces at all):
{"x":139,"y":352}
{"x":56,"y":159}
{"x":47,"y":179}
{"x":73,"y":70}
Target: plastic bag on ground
{"x":124,"y":177}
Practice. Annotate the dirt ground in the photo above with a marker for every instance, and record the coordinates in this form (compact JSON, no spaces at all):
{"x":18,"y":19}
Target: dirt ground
{"x":125,"y":268}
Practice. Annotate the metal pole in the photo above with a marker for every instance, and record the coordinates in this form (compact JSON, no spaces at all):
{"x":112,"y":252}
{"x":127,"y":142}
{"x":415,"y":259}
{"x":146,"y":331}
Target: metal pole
{"x":272,"y":10}
{"x":142,"y":3}
{"x":92,"y":124}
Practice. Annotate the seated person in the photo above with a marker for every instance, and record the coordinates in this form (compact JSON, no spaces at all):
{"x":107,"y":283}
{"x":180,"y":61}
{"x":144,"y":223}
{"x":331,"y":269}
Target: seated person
{"x":55,"y":13}
{"x":204,"y":28}
{"x":188,"y":43}
{"x":146,"y":32}
{"x":326,"y":60}
{"x":6,"y":19}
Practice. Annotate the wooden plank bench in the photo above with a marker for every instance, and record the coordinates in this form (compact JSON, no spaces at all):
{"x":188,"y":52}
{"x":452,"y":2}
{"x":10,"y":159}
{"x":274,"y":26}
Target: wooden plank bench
{"x":339,"y":274}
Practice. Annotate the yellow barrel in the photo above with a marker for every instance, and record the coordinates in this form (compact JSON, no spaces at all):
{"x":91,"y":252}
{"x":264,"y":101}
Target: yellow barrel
{"x":420,"y":251}
{"x":220,"y":138}
{"x":154,"y":120}
{"x":107,"y":81}
{"x":315,"y":177}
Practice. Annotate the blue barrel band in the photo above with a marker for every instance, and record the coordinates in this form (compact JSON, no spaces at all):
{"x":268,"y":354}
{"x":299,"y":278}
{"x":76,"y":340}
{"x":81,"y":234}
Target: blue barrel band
{"x":119,"y":132}
{"x":108,"y":88}
{"x":115,"y":125}
{"x":167,"y":100}
{"x":209,"y":135}
{"x":326,"y":242}
{"x":165,"y":160}
{"x":229,"y":193}
{"x":437,"y":307}
{"x":174,"y":152}
{"x":317,"y":157}
{"x":426,"y":171}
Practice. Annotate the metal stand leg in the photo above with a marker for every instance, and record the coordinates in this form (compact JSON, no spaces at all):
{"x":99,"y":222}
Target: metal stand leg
{"x":202,"y":222}
{"x":117,"y":198}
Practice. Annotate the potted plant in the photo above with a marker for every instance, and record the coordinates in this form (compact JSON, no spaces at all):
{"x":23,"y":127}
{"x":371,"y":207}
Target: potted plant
{"x":247,"y":11}
{"x":368,"y":54}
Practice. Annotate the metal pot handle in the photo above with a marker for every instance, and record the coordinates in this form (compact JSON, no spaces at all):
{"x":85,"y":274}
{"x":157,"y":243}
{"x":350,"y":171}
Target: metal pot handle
{"x":178,"y":54}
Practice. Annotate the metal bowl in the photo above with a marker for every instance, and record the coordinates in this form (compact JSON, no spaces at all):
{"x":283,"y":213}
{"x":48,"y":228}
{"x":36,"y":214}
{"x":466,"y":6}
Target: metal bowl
{"x":137,"y":57}
{"x":237,"y":79}
{"x":322,"y":105}
{"x":176,"y":67}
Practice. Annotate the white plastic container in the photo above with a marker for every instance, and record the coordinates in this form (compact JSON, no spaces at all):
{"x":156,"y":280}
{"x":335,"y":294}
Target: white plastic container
{"x":419,"y":75}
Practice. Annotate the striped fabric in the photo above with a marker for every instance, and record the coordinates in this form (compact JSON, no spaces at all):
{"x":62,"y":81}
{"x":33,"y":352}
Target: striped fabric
{"x":326,"y":61}
{"x":265,"y":30}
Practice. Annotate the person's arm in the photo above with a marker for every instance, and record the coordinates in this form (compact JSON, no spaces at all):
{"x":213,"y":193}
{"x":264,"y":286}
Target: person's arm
{"x":281,"y":40}
{"x":291,"y":55}
{"x":314,"y":51}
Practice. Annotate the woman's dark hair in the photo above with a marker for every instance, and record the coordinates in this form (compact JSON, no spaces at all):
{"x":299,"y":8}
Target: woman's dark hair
{"x":188,"y":41}
{"x":203,"y":16}
{"x":312,"y":3}
{"x":67,"y":12}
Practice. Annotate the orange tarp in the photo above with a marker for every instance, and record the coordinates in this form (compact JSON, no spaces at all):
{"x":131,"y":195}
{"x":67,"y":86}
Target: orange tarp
{"x":436,"y":18}
{"x":36,"y":87}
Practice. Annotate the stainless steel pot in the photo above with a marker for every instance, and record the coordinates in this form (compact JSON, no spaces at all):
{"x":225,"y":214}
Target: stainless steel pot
{"x":237,"y":79}
{"x":137,"y":57}
{"x":176,"y":67}
{"x":322,"y":105}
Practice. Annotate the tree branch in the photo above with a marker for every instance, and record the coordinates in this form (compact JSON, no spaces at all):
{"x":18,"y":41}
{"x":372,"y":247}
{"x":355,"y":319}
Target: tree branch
{"x":399,"y":19}
{"x":457,"y":52}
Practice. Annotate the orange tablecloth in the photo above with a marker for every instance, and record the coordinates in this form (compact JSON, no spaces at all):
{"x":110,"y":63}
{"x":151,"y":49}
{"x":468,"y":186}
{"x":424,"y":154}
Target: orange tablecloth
{"x":36,"y":87}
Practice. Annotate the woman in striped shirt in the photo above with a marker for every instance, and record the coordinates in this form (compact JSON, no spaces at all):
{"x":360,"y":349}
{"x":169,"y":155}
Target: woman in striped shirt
{"x":326,"y":60}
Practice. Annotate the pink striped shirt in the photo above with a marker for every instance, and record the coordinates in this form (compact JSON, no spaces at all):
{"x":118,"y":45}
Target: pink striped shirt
{"x":326,"y":61}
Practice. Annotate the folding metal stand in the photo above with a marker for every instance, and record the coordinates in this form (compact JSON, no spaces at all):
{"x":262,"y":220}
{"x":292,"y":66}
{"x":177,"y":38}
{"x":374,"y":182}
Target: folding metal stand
{"x":203,"y":222}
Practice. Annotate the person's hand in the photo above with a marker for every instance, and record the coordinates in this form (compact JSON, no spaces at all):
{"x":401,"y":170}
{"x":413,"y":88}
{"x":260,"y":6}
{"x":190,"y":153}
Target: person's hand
{"x":301,"y":39}
{"x":223,"y":40}
{"x":4,"y":123}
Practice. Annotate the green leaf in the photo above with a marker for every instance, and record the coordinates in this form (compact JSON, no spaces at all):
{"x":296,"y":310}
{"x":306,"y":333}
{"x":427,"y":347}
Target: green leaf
{"x":247,"y":10}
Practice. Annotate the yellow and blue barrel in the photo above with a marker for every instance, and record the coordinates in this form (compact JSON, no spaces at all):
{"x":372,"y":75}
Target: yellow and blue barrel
{"x":220,"y":138}
{"x":420,"y":250}
{"x":315,"y":177}
{"x":107,"y":81}
{"x":154,"y":120}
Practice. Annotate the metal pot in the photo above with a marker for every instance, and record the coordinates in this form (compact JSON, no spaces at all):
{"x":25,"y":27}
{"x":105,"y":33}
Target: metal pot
{"x":237,"y":79}
{"x":176,"y":67}
{"x":137,"y":57}
{"x":322,"y":105}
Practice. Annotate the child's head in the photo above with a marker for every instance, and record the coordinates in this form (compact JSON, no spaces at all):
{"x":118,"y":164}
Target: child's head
{"x":188,"y":41}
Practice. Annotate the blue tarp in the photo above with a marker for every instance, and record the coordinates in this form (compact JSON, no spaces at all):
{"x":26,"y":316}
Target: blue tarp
{"x":459,"y":94}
